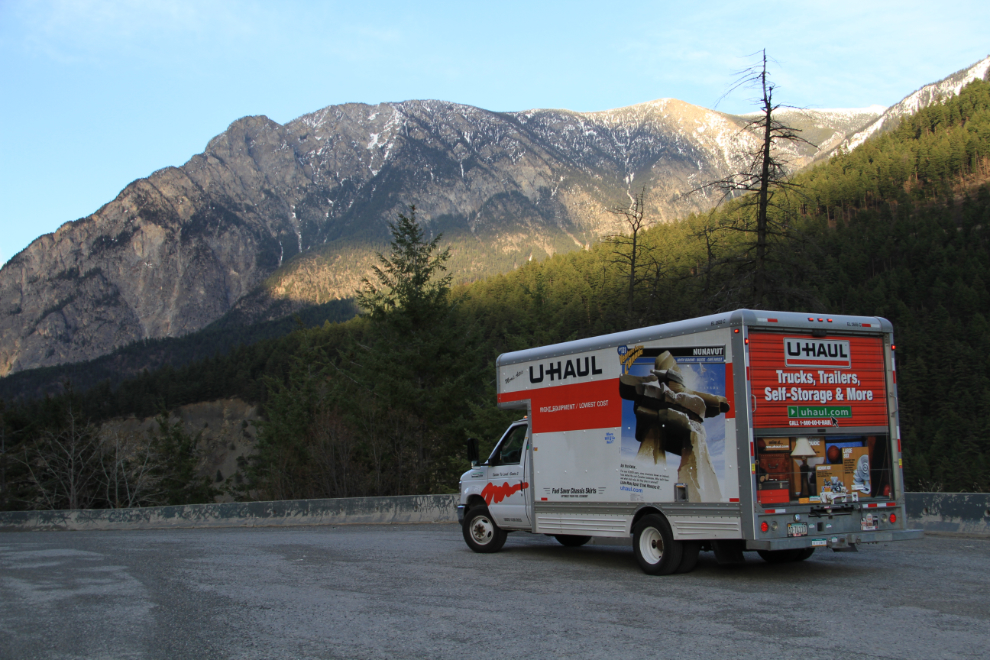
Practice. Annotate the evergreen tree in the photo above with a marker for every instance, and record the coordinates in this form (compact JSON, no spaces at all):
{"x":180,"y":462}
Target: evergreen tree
{"x":418,"y":368}
{"x":412,"y":287}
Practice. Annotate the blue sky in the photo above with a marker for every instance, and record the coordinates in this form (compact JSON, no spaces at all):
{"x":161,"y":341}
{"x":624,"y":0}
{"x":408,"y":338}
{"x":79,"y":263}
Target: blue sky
{"x":97,"y":94}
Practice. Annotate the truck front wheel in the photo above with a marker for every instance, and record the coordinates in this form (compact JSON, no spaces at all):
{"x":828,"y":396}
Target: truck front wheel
{"x":480,"y":531}
{"x":657,"y":553}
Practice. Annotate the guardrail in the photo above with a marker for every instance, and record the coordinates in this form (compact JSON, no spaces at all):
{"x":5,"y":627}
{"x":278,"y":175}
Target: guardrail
{"x":940,"y":513}
{"x":351,"y":510}
{"x":949,"y":513}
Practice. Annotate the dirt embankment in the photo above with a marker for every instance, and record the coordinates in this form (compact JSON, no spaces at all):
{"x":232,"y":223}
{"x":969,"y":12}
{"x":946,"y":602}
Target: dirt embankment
{"x":225,"y":429}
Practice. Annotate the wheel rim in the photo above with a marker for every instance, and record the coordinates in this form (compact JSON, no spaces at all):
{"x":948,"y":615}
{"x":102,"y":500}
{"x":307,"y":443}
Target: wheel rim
{"x":651,"y":545}
{"x":482,"y":530}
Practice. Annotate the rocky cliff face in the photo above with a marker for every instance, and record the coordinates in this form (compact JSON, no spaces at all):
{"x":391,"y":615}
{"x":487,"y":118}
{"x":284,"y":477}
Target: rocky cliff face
{"x":272,"y":217}
{"x":170,"y":254}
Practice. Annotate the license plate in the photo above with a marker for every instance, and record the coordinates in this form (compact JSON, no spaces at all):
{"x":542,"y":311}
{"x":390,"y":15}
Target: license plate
{"x":797,"y":529}
{"x":818,"y":543}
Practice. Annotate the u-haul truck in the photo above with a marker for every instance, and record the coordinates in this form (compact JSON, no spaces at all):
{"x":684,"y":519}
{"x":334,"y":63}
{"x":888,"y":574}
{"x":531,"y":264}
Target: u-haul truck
{"x":749,"y":430}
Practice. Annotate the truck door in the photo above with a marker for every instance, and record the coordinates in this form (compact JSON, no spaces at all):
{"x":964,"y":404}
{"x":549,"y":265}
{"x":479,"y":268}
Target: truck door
{"x":507,"y":491}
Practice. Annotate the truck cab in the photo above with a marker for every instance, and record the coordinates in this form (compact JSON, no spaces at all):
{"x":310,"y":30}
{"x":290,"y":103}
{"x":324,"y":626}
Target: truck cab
{"x":496,"y":492}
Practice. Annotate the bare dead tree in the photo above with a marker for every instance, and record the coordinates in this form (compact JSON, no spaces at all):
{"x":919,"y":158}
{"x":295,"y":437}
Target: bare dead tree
{"x":3,"y":452}
{"x":627,"y":245}
{"x":369,"y":417}
{"x":63,"y":464}
{"x":762,"y":180}
{"x":657,"y":259}
{"x":407,"y":450}
{"x":334,"y":447}
{"x":719,"y":292}
{"x":129,"y":473}
{"x":710,"y":235}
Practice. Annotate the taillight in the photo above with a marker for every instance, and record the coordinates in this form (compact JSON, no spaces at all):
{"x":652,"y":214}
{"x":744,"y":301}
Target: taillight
{"x":764,"y":526}
{"x":893,"y":518}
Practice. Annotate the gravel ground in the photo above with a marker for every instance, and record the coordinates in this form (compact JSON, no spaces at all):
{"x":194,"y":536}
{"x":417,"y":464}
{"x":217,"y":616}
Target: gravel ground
{"x":417,"y":591}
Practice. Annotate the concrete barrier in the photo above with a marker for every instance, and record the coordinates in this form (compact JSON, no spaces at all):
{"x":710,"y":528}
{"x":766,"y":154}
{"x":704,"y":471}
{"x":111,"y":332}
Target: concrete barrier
{"x":944,"y":513}
{"x":949,"y":513}
{"x":352,"y":510}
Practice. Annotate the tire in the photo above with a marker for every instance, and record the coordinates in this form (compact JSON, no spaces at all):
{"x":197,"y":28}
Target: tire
{"x":657,"y":553}
{"x":480,"y":531}
{"x":689,"y":558}
{"x":804,"y":553}
{"x":780,"y":556}
{"x":571,"y":541}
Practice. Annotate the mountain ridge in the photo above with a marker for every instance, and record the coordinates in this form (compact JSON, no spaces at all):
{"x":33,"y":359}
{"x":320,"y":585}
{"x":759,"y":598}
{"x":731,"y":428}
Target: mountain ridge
{"x":920,"y":98}
{"x":270,"y":218}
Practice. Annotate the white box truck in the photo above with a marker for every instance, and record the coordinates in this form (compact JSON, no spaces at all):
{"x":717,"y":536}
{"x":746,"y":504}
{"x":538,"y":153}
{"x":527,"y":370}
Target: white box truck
{"x":748,"y":430}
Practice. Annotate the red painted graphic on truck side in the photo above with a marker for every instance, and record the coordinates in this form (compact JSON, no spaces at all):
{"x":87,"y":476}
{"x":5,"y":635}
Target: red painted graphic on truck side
{"x":493,"y":493}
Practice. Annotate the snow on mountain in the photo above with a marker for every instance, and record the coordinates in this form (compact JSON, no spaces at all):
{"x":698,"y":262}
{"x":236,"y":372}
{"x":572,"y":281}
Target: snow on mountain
{"x":922,"y":98}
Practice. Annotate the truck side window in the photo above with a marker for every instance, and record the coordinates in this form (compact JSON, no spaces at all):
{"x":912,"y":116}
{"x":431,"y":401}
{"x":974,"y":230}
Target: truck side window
{"x":510,"y":451}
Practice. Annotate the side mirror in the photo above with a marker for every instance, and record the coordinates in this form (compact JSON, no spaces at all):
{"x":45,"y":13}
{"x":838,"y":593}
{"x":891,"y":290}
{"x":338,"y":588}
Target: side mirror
{"x":472,"y":451}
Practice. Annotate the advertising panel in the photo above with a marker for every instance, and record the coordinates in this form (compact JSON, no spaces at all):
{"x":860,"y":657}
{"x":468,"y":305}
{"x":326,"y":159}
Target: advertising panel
{"x":673,"y":421}
{"x":803,"y":381}
{"x":628,"y":422}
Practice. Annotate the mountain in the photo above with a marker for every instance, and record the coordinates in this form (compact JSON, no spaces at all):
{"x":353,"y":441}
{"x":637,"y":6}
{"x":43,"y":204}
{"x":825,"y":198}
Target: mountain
{"x":270,"y":218}
{"x":827,"y":129}
{"x":922,"y":98}
{"x":519,"y":186}
{"x":273,"y":218}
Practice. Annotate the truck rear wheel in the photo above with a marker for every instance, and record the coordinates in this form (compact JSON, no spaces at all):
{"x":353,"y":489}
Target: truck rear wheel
{"x":689,"y":556}
{"x":571,"y":541}
{"x":480,"y":531}
{"x":657,"y":553}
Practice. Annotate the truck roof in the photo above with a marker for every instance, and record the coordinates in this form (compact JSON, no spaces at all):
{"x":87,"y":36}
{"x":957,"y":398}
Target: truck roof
{"x":751,"y":318}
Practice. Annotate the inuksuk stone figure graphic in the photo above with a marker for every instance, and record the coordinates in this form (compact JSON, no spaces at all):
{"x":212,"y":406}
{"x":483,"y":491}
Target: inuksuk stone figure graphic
{"x":670,"y":418}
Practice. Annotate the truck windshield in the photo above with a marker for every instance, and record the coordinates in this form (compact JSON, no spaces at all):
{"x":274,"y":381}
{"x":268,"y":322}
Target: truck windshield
{"x":509,"y":451}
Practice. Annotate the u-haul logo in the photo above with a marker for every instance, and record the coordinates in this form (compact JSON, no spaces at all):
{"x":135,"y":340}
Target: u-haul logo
{"x":571,"y":369}
{"x":817,"y":353}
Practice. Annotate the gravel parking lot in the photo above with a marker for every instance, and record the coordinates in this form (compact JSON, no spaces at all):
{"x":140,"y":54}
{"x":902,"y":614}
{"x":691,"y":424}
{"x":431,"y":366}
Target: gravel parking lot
{"x":417,"y":591}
